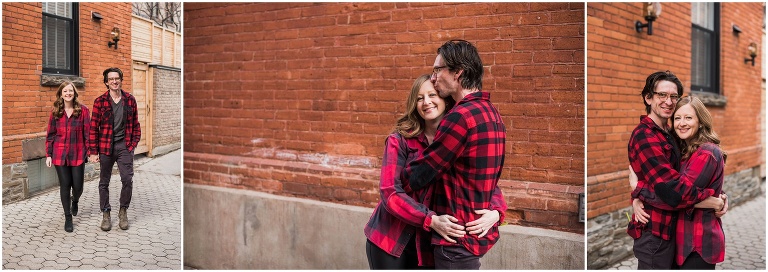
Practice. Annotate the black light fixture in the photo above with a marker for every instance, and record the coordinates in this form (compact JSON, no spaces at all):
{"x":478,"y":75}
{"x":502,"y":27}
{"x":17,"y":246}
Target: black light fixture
{"x":651,"y":11}
{"x":115,"y":37}
{"x":752,"y":50}
{"x":96,"y":16}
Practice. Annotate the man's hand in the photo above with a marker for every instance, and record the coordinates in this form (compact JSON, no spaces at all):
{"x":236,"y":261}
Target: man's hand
{"x":484,"y":223}
{"x":445,"y":226}
{"x":632,"y":178}
{"x":725,"y":206}
{"x":93,"y":158}
{"x":711,"y":202}
{"x":640,"y":214}
{"x":48,"y":161}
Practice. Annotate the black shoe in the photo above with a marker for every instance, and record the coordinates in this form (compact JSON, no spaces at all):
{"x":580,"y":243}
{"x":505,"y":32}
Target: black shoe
{"x":68,"y":224}
{"x":74,"y":208}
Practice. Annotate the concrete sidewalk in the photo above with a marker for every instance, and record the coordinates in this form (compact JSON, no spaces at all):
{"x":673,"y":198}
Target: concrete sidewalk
{"x":744,"y":228}
{"x":34,"y":236}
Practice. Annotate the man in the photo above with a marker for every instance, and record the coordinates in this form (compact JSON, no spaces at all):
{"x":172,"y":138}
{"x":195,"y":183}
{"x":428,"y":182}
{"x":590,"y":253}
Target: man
{"x":467,"y":154}
{"x":655,"y":159}
{"x":115,"y":133}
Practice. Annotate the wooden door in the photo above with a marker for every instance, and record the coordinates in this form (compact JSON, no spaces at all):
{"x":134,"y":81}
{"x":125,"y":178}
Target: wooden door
{"x":140,"y":90}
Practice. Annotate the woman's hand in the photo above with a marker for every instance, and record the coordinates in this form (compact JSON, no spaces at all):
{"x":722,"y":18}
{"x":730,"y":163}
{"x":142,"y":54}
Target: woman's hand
{"x":484,"y":223}
{"x":632,"y":178}
{"x":48,"y":161}
{"x":640,"y":214}
{"x":445,"y":226}
{"x":725,"y":206}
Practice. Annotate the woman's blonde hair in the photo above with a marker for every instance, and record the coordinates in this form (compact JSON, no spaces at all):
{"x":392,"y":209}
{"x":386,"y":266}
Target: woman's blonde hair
{"x":58,"y":105}
{"x":411,"y":123}
{"x":705,"y":133}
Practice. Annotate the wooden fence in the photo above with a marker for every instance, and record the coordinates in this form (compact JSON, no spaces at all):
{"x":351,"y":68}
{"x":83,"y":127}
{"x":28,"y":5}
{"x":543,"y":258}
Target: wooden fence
{"x":153,"y":44}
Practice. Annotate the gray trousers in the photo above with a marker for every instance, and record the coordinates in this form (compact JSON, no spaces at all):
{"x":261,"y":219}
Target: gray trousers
{"x":124,"y":160}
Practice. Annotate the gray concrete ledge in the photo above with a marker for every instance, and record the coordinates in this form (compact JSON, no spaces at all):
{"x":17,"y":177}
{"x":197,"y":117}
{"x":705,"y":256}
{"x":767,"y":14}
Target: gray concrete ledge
{"x":228,"y":228}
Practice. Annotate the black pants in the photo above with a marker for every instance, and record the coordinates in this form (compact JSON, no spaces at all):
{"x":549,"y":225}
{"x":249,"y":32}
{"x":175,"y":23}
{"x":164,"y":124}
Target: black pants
{"x":70,"y":178}
{"x":455,"y":258}
{"x":695,"y":262}
{"x":652,"y":252}
{"x":379,"y":259}
{"x":124,"y":160}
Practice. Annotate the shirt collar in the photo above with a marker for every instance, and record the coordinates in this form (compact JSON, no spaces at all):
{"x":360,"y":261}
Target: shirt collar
{"x":479,"y":95}
{"x":646,"y":120}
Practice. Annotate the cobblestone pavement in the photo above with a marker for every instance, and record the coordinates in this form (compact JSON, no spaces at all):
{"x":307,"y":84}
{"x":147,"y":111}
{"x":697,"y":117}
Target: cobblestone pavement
{"x":744,"y":227}
{"x":34,"y":236}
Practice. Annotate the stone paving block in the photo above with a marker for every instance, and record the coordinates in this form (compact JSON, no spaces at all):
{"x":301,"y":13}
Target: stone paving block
{"x":33,"y":228}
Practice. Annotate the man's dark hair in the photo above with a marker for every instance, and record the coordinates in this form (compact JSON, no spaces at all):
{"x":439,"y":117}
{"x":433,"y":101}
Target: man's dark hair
{"x":462,"y":55}
{"x":110,"y":70}
{"x":653,"y":80}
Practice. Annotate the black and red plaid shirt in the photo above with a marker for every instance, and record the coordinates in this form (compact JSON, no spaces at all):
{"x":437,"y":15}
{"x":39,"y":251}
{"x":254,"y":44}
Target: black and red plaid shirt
{"x":699,"y":230}
{"x":67,"y":138}
{"x":401,"y":215}
{"x":101,"y":135}
{"x":469,"y":149}
{"x":655,"y":157}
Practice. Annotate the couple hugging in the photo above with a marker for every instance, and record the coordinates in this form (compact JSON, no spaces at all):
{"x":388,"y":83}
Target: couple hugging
{"x":676,"y":174}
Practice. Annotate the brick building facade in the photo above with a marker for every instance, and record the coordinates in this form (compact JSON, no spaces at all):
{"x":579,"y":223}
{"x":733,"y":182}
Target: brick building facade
{"x":29,"y":86}
{"x":619,"y":60}
{"x":28,"y":92}
{"x":296,"y":99}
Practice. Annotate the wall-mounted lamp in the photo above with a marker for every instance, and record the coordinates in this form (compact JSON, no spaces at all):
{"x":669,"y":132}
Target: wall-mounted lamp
{"x":651,"y":11}
{"x":752,"y":49}
{"x":96,"y":16}
{"x":736,"y":29}
{"x":115,"y":37}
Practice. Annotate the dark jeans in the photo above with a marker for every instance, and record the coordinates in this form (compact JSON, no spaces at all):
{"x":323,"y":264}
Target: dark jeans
{"x":124,"y":159}
{"x":652,"y":252}
{"x":455,"y":258}
{"x":70,"y":177}
{"x":379,"y":259}
{"x":695,"y":262}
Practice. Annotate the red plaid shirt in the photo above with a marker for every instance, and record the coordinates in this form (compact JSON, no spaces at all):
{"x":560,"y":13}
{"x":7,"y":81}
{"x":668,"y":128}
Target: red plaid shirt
{"x":468,"y":152}
{"x":67,"y":138}
{"x":401,"y":215}
{"x":653,"y":155}
{"x":699,"y":230}
{"x":100,"y":140}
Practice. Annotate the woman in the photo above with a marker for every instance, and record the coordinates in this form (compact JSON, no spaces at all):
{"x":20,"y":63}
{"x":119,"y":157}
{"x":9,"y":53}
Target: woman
{"x":398,"y":231}
{"x":65,"y":147}
{"x":699,"y":238}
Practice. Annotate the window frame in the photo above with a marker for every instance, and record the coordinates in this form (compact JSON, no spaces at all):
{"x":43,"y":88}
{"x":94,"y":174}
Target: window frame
{"x":74,"y":51}
{"x":714,"y":80}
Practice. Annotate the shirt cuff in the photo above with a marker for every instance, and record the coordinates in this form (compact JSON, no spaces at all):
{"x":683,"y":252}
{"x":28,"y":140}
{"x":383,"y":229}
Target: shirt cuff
{"x":428,"y":221}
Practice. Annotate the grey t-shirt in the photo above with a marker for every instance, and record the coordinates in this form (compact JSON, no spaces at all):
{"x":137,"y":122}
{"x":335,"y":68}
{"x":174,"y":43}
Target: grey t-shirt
{"x":118,"y":123}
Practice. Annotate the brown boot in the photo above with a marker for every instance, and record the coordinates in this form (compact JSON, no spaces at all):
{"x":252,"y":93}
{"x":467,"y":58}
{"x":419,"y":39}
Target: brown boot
{"x":123,"y":216}
{"x":106,"y":223}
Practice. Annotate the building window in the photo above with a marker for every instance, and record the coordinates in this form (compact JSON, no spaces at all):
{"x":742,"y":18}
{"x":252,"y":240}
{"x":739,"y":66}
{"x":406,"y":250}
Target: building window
{"x":705,"y":47}
{"x":60,"y":39}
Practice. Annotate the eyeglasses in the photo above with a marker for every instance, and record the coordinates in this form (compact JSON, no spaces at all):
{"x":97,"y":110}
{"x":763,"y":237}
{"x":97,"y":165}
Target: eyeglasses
{"x":113,"y":79}
{"x":664,"y":96}
{"x":437,"y":69}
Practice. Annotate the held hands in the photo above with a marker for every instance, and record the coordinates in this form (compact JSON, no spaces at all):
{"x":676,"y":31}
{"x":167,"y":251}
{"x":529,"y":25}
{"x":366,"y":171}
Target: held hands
{"x":445,"y":226}
{"x":484,"y":223}
{"x":93,"y":158}
{"x":48,"y":161}
{"x":640,"y":214}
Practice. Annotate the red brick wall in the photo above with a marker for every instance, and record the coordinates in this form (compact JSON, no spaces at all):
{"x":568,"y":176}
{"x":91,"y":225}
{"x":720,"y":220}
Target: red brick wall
{"x":297,"y":98}
{"x":619,"y":60}
{"x":26,"y":104}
